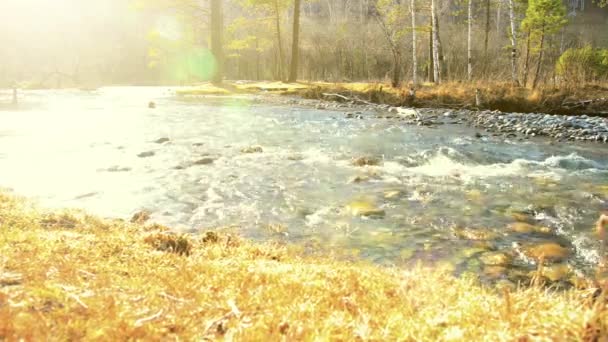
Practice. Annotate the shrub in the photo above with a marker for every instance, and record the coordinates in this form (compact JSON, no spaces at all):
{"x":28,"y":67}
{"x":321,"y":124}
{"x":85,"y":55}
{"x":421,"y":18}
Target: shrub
{"x":579,"y":65}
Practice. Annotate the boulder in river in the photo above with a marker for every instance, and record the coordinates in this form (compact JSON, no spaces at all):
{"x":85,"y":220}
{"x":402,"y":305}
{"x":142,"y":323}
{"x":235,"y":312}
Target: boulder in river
{"x":252,"y":149}
{"x":365,"y":208}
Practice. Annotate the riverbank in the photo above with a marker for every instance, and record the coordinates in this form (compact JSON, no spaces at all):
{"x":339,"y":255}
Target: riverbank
{"x":584,"y":100}
{"x":502,"y":110}
{"x":68,"y":275}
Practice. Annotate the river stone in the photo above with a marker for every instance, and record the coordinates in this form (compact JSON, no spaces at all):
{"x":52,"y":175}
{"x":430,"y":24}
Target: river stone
{"x":550,"y":250}
{"x":556,"y":272}
{"x":522,"y":227}
{"x":364,"y":208}
{"x":505,"y":285}
{"x":359,"y":179}
{"x":204,"y":161}
{"x":496,"y":259}
{"x":365,"y":161}
{"x":162,"y":140}
{"x":494,"y":272}
{"x":146,"y":154}
{"x":252,"y":149}
{"x":140,"y":217}
{"x":392,"y":194}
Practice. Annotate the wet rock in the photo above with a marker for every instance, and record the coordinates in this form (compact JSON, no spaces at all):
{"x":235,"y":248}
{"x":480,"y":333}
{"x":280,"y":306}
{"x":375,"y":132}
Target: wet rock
{"x":359,"y":179}
{"x":496,"y":259}
{"x":366,"y":161}
{"x":198,"y":144}
{"x":146,"y":154}
{"x":252,"y":149}
{"x":151,"y":105}
{"x":526,"y":228}
{"x":204,"y":161}
{"x":550,"y":251}
{"x":521,"y":216}
{"x":392,"y":194}
{"x":505,"y":284}
{"x":469,"y":252}
{"x":494,"y":272}
{"x":140,"y":217}
{"x":364,"y":208}
{"x":556,"y":272}
{"x":162,"y":140}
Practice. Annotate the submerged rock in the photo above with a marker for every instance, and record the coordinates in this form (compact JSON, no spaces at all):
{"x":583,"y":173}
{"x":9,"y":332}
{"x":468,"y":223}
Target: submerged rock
{"x":475,"y":234}
{"x":556,"y":272}
{"x":523,"y":227}
{"x":496,"y":259}
{"x":494,"y":272}
{"x":550,"y":251}
{"x":252,"y":149}
{"x":364,"y":208}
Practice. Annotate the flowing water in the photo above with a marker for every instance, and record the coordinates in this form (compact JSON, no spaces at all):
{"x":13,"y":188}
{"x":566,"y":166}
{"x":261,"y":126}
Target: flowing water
{"x":80,"y":149}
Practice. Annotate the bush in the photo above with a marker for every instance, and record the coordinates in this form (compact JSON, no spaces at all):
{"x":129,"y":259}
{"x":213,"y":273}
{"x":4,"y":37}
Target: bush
{"x":579,"y":65}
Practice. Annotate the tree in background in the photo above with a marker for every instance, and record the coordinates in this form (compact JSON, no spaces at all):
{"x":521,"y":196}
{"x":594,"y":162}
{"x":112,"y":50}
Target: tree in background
{"x":216,"y":40}
{"x":295,"y":42}
{"x":543,"y":17}
{"x":390,"y":15}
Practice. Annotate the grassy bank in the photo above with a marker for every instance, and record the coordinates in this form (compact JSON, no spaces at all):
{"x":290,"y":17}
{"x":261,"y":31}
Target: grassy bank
{"x":71,"y":276}
{"x":494,"y":96}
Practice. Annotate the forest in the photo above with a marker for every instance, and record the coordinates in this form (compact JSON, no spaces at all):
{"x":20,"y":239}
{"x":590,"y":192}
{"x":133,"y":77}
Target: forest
{"x":155,"y":42}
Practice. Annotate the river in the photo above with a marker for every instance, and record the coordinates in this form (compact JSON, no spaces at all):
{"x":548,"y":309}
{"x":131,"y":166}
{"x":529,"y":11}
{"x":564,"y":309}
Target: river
{"x":433,"y":188}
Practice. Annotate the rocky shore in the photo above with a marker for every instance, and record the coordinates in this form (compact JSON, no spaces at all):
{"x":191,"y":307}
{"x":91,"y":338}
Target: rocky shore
{"x":511,"y":125}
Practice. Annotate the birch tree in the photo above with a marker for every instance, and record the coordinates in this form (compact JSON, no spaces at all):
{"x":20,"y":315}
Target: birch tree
{"x":414,"y":56}
{"x":513,"y":36}
{"x":435,"y":43}
{"x":469,"y":42}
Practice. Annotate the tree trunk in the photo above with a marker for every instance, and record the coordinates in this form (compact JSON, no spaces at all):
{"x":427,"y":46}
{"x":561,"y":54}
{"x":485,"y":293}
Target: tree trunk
{"x":469,"y":43}
{"x":396,"y":79}
{"x":431,"y":68}
{"x":540,"y":58}
{"x":414,"y":57}
{"x":436,"y":44}
{"x":295,"y":47}
{"x":279,"y":40}
{"x":514,"y":73}
{"x":216,"y":40}
{"x":487,"y":32}
{"x":527,"y":60}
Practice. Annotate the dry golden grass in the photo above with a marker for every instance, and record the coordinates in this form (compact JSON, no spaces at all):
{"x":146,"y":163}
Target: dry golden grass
{"x":495,"y":96}
{"x":70,"y":276}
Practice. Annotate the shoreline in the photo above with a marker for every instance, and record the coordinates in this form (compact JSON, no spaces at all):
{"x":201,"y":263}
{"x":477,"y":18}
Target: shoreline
{"x":69,"y":275}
